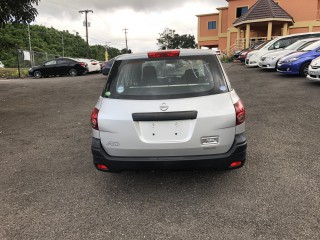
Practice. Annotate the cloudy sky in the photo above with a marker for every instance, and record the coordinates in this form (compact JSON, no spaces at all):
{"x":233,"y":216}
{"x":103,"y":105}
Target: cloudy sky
{"x":144,"y":19}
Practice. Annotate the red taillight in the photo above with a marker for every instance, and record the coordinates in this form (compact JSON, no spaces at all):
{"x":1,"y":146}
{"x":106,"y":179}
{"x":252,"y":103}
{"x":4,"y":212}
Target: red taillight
{"x":82,"y":64}
{"x":102,"y":167}
{"x":94,"y":63}
{"x":94,"y":119}
{"x":240,"y":112}
{"x":235,"y":164}
{"x":162,"y":54}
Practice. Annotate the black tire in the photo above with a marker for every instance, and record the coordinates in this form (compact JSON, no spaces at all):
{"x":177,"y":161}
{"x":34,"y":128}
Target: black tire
{"x":276,"y":65}
{"x":73,"y":72}
{"x":304,"y":69}
{"x":37,"y":74}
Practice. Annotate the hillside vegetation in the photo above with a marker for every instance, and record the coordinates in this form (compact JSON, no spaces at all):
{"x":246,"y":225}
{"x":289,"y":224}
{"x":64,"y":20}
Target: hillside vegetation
{"x":48,"y":41}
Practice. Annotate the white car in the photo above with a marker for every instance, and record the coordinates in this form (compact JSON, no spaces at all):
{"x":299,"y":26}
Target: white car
{"x":276,"y":44}
{"x":270,"y":60}
{"x":92,"y":65}
{"x":168,"y":109}
{"x":314,"y":70}
{"x":217,"y":51}
{"x":1,"y":65}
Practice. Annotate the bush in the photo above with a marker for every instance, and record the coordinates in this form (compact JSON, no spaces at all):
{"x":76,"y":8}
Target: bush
{"x":226,"y":58}
{"x":13,"y":73}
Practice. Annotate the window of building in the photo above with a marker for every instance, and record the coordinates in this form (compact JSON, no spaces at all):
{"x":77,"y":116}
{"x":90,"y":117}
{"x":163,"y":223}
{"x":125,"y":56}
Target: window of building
{"x":212,"y":25}
{"x":241,"y":11}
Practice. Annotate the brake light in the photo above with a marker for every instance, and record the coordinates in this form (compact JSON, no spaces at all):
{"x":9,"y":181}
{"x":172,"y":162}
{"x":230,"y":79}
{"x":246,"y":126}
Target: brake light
{"x":240,"y":112}
{"x":94,"y":63}
{"x":94,"y":119}
{"x":82,"y":64}
{"x":162,"y":54}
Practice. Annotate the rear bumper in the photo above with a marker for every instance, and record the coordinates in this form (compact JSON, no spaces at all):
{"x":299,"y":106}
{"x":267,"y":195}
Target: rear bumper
{"x":219,"y":161}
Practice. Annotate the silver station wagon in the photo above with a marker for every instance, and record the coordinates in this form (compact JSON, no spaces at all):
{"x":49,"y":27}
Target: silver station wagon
{"x":169,"y":109}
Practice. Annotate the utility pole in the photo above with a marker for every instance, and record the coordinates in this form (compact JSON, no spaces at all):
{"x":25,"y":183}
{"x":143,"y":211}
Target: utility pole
{"x":17,"y":52}
{"x":125,"y":32}
{"x":30,"y":50}
{"x":86,"y":25}
{"x":106,"y":54}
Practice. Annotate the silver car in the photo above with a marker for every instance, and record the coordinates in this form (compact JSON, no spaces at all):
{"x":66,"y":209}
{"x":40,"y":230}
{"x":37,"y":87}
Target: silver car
{"x":270,"y":60}
{"x":275,"y":45}
{"x":314,"y":70}
{"x":168,"y":110}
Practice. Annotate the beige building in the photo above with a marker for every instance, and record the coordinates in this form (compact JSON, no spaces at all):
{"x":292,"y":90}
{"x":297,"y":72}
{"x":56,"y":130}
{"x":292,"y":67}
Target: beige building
{"x":243,"y":22}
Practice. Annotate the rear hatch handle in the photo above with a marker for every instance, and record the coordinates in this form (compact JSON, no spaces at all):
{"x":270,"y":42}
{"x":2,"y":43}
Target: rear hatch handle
{"x":165,"y":116}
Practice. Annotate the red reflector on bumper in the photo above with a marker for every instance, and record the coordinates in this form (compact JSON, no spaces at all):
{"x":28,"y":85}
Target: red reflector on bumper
{"x":235,"y":164}
{"x":102,"y":167}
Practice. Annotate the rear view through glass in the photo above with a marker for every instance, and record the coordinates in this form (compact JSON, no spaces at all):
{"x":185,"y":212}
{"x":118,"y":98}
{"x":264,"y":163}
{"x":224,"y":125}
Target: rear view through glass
{"x":164,"y":78}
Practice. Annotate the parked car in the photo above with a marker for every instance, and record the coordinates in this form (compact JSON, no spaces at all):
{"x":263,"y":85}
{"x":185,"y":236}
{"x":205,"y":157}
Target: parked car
{"x":244,"y":53}
{"x":298,"y":62}
{"x":270,"y":60}
{"x":168,"y":109}
{"x":1,"y":65}
{"x":217,"y":51}
{"x":277,"y":44}
{"x":107,"y":66}
{"x":59,"y":66}
{"x":92,"y":65}
{"x":314,"y":70}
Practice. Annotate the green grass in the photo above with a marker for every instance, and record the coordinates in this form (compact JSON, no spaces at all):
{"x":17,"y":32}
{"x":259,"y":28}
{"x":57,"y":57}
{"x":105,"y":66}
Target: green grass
{"x":13,"y":72}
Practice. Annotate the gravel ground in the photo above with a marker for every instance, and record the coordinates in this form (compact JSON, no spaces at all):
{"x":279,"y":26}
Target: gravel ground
{"x":51,"y":190}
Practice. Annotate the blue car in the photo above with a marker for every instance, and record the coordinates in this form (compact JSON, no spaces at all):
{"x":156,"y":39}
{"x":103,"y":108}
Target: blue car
{"x":297,"y":63}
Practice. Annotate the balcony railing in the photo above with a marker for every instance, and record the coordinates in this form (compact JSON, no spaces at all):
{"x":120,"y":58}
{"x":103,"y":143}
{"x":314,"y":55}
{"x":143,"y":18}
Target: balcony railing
{"x":241,"y":42}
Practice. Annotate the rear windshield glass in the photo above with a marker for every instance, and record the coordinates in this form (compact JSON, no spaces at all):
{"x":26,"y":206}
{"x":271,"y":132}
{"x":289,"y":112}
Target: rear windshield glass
{"x":166,"y":78}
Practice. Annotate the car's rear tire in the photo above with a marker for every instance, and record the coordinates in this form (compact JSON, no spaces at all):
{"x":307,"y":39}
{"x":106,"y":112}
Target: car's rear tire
{"x":73,"y":72}
{"x":304,"y":69}
{"x":37,"y":74}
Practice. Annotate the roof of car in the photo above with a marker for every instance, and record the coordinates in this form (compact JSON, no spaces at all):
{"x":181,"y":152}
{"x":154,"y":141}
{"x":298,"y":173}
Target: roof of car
{"x":183,"y":52}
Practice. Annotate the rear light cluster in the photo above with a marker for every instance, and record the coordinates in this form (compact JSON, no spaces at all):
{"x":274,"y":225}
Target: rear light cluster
{"x":82,"y":64}
{"x":163,"y":54}
{"x":240,"y":112}
{"x":94,"y":119}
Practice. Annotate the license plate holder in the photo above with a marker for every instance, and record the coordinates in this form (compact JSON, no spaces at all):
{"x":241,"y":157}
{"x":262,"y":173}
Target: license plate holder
{"x":159,"y":131}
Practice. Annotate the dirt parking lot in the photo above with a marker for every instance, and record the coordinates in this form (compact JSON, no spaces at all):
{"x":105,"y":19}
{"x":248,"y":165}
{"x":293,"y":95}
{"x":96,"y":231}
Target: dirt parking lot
{"x":51,"y":190}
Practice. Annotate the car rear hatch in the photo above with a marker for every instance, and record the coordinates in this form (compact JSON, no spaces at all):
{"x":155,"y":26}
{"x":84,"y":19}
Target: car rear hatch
{"x":167,"y":106}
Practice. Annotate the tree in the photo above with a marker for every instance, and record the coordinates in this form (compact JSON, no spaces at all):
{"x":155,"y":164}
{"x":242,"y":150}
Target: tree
{"x":113,"y":52}
{"x":17,"y":11}
{"x":171,"y":40}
